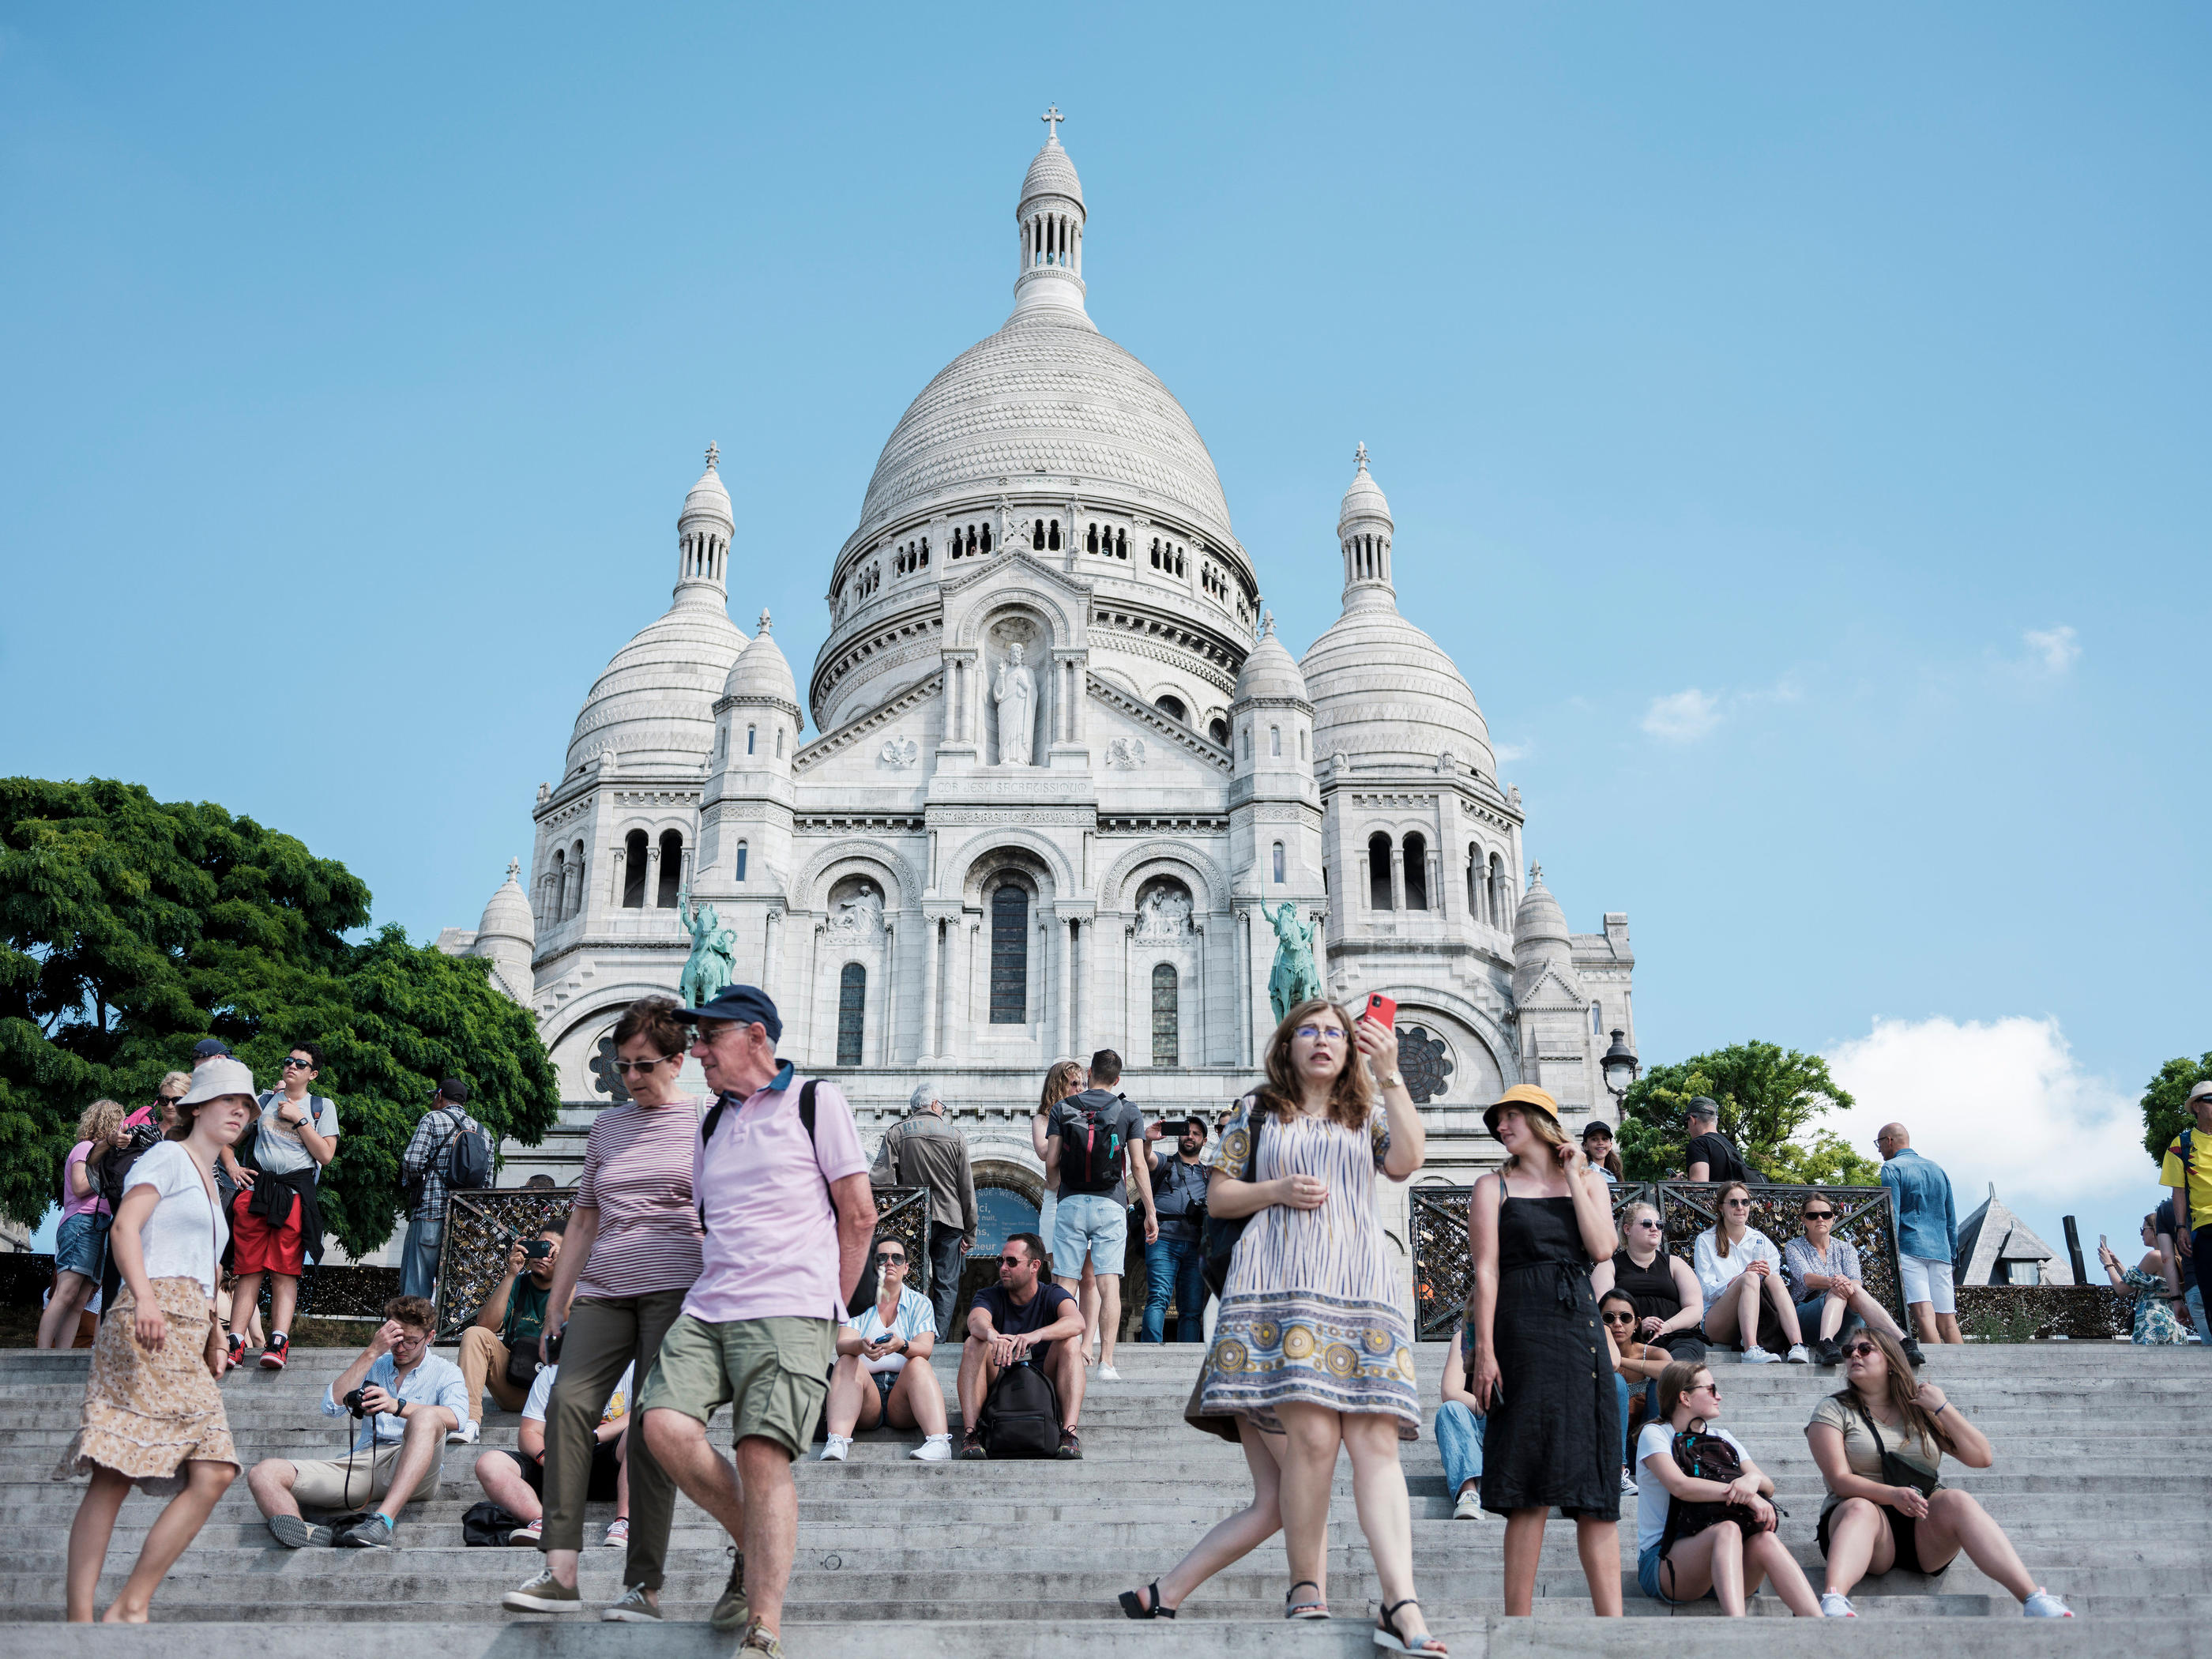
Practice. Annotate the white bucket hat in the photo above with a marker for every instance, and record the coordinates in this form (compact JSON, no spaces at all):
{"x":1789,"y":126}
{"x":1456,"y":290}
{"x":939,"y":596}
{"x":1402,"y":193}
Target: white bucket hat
{"x":220,"y":1077}
{"x":2199,"y":1092}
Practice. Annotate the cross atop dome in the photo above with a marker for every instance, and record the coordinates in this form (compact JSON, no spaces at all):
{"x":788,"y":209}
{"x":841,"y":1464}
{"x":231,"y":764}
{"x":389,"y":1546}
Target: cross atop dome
{"x":714,"y":454}
{"x":1052,"y":117}
{"x":514,"y":869}
{"x":764,"y":621}
{"x":1360,"y":457}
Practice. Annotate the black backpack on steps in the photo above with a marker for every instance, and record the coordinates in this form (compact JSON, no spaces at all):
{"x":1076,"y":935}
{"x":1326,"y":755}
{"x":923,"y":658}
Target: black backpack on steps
{"x":1021,"y":1414}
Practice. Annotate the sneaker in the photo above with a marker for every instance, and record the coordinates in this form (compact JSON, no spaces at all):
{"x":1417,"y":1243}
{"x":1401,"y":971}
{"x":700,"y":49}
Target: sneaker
{"x":835,"y":1447}
{"x":543,"y":1594}
{"x":296,"y":1533}
{"x":635,"y":1607}
{"x":2043,"y":1605}
{"x":1627,"y":1484}
{"x":279,"y":1349}
{"x":1469,"y":1507}
{"x":1833,"y":1606}
{"x":234,"y":1351}
{"x":617,"y":1531}
{"x":1070,"y":1447}
{"x":938,"y":1448}
{"x":971,"y":1445}
{"x":528,"y":1533}
{"x":1796,"y":1356}
{"x":1827,"y":1353}
{"x":757,"y":1640}
{"x":1108,"y":1374}
{"x":373,"y":1534}
{"x":732,"y":1611}
{"x":1756,"y":1356}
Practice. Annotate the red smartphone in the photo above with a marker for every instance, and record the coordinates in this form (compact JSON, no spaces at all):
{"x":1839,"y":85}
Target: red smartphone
{"x":1384,"y":1010}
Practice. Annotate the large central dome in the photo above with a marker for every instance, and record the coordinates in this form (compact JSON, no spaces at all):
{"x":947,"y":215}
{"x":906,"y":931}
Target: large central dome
{"x":1048,"y":396}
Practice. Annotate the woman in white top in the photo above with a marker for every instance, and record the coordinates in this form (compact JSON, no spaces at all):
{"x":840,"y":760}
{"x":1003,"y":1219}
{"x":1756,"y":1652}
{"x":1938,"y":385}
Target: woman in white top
{"x":1736,"y":1263}
{"x":872,"y":1382}
{"x":152,"y":1413}
{"x":1720,"y":1561}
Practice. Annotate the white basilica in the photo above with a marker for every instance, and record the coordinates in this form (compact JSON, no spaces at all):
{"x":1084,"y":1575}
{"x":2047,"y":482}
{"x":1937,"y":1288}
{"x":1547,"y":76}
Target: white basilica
{"x":1067,"y":783}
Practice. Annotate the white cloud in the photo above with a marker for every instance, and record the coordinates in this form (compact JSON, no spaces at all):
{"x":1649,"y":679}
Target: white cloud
{"x":2056,"y":650}
{"x":1682,"y":716}
{"x":1507,"y":753}
{"x":2004,"y":1103}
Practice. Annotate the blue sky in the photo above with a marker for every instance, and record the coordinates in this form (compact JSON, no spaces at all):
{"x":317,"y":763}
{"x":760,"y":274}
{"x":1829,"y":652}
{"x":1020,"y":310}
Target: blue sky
{"x":1795,"y":424}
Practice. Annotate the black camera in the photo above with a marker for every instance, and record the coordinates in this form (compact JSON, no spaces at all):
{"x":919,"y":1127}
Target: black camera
{"x":352,"y":1403}
{"x":537,"y":1250}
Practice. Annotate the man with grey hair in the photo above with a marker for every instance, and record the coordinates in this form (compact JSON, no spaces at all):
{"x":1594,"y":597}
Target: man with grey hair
{"x":923,"y":1150}
{"x":1711,"y":1156}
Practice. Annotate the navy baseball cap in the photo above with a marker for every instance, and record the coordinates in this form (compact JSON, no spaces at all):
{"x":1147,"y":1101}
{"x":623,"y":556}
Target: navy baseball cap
{"x":453,"y":1089}
{"x":209,"y":1047}
{"x":747,"y":1005}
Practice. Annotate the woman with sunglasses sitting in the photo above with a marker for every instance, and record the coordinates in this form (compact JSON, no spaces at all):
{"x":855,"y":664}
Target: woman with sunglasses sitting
{"x":1670,"y":1308}
{"x":1878,"y":1441}
{"x":1830,"y":1298}
{"x":1736,"y":1264}
{"x":1719,"y":1560}
{"x":872,"y":1382}
{"x":1636,"y":1368}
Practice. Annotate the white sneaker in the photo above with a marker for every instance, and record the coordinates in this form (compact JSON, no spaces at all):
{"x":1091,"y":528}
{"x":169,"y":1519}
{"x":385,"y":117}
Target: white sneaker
{"x":938,"y":1448}
{"x":1833,"y":1606}
{"x":1760,"y":1357}
{"x":1108,"y":1374}
{"x":835,"y":1447}
{"x":1628,"y":1485}
{"x":2043,"y":1605}
{"x":1797,"y":1356}
{"x":1469,"y":1507}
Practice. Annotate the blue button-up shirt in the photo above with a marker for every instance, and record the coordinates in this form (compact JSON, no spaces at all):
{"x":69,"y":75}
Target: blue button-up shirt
{"x":434,"y":1381}
{"x":1927,"y":1224}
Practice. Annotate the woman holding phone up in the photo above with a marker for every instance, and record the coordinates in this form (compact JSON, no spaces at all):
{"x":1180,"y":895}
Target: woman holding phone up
{"x":1543,"y":1367}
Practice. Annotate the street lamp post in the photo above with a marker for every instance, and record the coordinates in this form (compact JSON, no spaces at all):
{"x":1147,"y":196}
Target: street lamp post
{"x":1620,"y":1068}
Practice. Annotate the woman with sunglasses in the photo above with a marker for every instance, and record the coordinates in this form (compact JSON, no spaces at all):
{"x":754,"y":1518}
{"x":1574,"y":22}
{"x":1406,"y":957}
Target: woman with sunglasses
{"x":1825,"y":1286}
{"x":1635,"y":1370}
{"x":2155,"y":1325}
{"x":1736,"y":1264}
{"x":630,"y":1253}
{"x":1670,"y":1308}
{"x":1720,"y":1561}
{"x":1314,"y":1337}
{"x":1542,"y":1364}
{"x":1883,"y":1415}
{"x":872,"y":1382}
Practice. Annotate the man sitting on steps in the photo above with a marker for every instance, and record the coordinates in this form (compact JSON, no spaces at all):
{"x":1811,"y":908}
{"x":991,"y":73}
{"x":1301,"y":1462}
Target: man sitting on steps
{"x":512,"y":1316}
{"x":410,"y":1398}
{"x":1022,"y":1317}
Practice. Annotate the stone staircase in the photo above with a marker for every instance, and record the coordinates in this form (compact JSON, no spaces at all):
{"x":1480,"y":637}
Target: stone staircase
{"x":2102,"y":1480}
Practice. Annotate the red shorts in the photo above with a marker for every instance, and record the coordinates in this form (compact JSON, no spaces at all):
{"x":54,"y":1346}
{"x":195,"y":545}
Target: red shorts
{"x":262,"y":1248}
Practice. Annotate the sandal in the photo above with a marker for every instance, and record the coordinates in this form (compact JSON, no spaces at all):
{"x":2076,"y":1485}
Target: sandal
{"x":1388,"y":1635}
{"x":1134,"y":1604}
{"x":1293,"y":1608}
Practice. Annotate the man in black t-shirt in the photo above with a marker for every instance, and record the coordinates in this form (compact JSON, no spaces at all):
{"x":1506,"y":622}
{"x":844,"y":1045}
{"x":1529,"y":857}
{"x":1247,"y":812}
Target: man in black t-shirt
{"x":1092,"y":1218}
{"x":1709,"y":1156}
{"x":1022,"y":1316}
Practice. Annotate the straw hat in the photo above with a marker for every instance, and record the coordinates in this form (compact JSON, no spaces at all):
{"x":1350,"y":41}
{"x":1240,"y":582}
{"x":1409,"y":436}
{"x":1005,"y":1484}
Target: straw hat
{"x":1529,"y":1098}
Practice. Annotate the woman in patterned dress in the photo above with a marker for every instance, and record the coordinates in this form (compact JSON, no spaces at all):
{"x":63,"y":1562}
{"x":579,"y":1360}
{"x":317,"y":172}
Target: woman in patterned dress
{"x":153,"y":1416}
{"x":2155,"y":1325}
{"x":1313,"y":1337}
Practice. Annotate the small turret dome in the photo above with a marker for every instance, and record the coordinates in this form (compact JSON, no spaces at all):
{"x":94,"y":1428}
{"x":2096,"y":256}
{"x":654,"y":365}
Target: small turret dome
{"x":507,"y":914}
{"x":709,"y":498}
{"x":1540,"y":923}
{"x":762,"y":672}
{"x":1270,"y":670}
{"x":1363,"y":498}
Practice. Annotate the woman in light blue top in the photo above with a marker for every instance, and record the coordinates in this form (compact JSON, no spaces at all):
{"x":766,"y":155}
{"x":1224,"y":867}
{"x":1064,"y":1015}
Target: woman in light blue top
{"x":873,"y":1383}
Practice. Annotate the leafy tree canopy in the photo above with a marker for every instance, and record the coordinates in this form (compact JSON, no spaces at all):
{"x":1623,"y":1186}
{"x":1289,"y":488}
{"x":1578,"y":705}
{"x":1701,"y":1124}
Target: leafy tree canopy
{"x":130,"y":928}
{"x":2164,"y":1115}
{"x":1769,"y":1099}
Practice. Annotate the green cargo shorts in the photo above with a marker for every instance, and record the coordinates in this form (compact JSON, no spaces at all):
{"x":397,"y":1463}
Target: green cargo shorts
{"x":774,"y":1373}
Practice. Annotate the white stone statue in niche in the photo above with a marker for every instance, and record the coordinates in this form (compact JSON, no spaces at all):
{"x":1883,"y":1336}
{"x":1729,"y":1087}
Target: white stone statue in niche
{"x":899,"y":752}
{"x":1015,"y":692}
{"x":1126,"y":754}
{"x":861,"y":913}
{"x":1163,"y":913}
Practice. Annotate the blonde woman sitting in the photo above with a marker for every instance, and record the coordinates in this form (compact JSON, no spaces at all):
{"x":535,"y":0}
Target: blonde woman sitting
{"x":1735,"y":1265}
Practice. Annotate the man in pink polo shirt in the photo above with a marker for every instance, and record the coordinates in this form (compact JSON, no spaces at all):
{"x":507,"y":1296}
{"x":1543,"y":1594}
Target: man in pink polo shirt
{"x":789,"y":1216}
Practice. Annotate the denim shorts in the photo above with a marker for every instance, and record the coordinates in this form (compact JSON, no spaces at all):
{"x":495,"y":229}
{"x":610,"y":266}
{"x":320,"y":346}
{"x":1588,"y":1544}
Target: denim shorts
{"x":1092,"y":1222}
{"x":1647,"y":1580}
{"x":77,"y":1244}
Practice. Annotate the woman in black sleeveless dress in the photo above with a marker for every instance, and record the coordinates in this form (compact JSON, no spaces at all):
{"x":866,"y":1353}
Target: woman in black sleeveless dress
{"x":1543,"y":1367}
{"x":1670,"y":1308}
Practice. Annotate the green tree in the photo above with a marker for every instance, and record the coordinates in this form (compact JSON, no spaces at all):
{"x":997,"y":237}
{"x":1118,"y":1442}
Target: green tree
{"x":2164,"y":1115}
{"x":1769,"y":1098}
{"x":129,"y":928}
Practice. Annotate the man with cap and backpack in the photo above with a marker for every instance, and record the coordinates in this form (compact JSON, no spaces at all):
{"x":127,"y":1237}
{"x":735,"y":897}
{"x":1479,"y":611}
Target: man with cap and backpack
{"x":449,"y":1151}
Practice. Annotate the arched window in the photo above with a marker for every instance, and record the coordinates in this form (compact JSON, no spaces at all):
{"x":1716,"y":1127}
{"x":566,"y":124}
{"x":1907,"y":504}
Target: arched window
{"x":779,"y":742}
{"x":1417,"y":873}
{"x":1172,"y":707}
{"x":1244,"y":741}
{"x":634,"y":870}
{"x":1121,"y":544}
{"x":1499,"y":915}
{"x":1217,"y":729}
{"x":577,"y":879}
{"x":1278,"y":861}
{"x":852,"y":1012}
{"x":741,"y":860}
{"x":1010,"y":955}
{"x":1378,"y":871}
{"x":672,"y":869}
{"x":749,"y":739}
{"x":556,"y":906}
{"x":986,"y":538}
{"x":1302,"y":743}
{"x":1036,"y":537}
{"x":1091,"y":540}
{"x":1275,"y":742}
{"x":1167,"y":1018}
{"x":1052,"y":535}
{"x":1597,"y":1020}
{"x":1475,"y":907}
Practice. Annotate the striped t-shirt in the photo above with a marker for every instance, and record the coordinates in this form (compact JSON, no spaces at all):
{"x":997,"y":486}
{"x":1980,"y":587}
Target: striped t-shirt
{"x":637,"y":1174}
